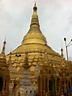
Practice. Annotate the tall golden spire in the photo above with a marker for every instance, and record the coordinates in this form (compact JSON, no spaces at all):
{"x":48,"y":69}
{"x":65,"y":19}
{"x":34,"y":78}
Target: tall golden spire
{"x":2,"y":55}
{"x":3,"y":49}
{"x":35,"y":8}
{"x":34,"y":21}
{"x":34,"y":34}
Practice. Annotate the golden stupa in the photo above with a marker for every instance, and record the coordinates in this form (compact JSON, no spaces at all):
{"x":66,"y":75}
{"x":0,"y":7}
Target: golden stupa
{"x":34,"y":41}
{"x":4,"y":73}
{"x":35,"y":64}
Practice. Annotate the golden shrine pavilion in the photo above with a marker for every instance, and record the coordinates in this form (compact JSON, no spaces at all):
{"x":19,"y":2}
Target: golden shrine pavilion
{"x":35,"y":69}
{"x":4,"y":74}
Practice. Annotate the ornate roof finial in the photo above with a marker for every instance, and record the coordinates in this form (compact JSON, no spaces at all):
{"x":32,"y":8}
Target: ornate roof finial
{"x":35,"y":8}
{"x":3,"y":49}
{"x":61,"y":51}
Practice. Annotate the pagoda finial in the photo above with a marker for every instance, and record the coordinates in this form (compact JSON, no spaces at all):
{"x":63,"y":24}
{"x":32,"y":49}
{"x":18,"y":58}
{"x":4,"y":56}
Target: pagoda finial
{"x":34,"y":22}
{"x":34,"y":28}
{"x":3,"y":49}
{"x":35,"y":8}
{"x":62,"y":52}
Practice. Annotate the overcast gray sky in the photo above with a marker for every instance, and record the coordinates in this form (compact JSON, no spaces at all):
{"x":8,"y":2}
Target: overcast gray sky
{"x":55,"y":18}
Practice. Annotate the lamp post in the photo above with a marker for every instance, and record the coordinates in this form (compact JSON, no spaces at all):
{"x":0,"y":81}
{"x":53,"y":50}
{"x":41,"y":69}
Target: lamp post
{"x":67,"y":45}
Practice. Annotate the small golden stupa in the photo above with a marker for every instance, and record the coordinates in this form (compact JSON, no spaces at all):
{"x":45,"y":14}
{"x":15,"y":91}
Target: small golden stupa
{"x":4,"y":73}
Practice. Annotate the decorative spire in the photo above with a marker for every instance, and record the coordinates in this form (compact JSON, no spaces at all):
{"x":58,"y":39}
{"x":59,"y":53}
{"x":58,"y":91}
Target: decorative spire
{"x":34,"y":34}
{"x":62,"y":52}
{"x":35,"y":8}
{"x":3,"y":49}
{"x":34,"y":22}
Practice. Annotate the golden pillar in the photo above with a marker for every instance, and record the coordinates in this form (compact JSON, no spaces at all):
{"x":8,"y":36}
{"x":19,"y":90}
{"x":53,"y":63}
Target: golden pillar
{"x":55,"y":84}
{"x":3,"y":88}
{"x":44,"y":82}
{"x":47,"y":83}
{"x":48,"y":91}
{"x":40,"y":85}
{"x":7,"y":85}
{"x":44,"y":89}
{"x":65,"y":86}
{"x":58,"y":86}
